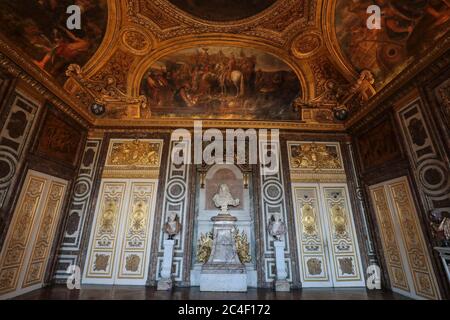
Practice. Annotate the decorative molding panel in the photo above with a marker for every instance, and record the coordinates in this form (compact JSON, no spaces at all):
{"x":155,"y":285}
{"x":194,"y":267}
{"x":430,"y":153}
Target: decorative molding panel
{"x":327,"y":244}
{"x":14,"y":138}
{"x":315,"y":162}
{"x":391,"y":247}
{"x":176,"y":200}
{"x":78,"y":210}
{"x":128,"y":158}
{"x":25,"y":254}
{"x":406,"y":253}
{"x":273,"y":200}
{"x":431,"y":170}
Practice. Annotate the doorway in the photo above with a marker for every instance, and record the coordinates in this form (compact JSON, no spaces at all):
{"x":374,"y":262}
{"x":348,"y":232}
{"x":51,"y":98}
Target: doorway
{"x":326,"y":240}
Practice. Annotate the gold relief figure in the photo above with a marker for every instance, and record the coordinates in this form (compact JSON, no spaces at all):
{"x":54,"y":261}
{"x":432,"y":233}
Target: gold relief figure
{"x":135,"y":153}
{"x":346,"y":265}
{"x":314,"y":266}
{"x":204,"y":247}
{"x":101,"y":262}
{"x":138,"y":217}
{"x":108,"y":217}
{"x":339,"y":220}
{"x":132,"y":263}
{"x":309,"y":220}
{"x":315,"y":156}
{"x":242,"y":246}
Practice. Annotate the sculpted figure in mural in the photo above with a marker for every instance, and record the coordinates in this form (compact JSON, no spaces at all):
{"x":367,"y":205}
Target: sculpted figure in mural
{"x":172,"y":226}
{"x":276,"y":227}
{"x":223,"y":199}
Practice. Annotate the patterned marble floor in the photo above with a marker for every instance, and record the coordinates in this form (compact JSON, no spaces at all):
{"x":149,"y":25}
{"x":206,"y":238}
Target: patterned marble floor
{"x":147,"y":293}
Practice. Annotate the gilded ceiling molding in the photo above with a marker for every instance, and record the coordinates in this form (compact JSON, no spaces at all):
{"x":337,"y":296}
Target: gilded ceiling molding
{"x":125,"y":124}
{"x":277,"y":24}
{"x":45,"y":85}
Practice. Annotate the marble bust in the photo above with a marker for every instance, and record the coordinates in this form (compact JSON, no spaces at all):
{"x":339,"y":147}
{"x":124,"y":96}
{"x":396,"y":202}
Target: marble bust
{"x":223,"y":199}
{"x":276,"y":227}
{"x":172,"y":226}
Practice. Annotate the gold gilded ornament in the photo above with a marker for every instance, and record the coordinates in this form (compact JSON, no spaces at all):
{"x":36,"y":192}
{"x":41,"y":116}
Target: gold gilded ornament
{"x":135,"y":153}
{"x":132,"y":263}
{"x":309,"y":220}
{"x":204,"y":247}
{"x":108,"y":217}
{"x":242,"y":246}
{"x":314,"y":266}
{"x":339,"y":219}
{"x":314,"y":156}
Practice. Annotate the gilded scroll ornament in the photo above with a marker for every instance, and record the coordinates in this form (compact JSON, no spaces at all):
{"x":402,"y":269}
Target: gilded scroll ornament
{"x":135,"y":153}
{"x":205,"y":243}
{"x":101,"y":262}
{"x":339,"y":219}
{"x":108,"y":217}
{"x":138,"y":217}
{"x":314,"y":266}
{"x":346,"y":265}
{"x":309,"y":220}
{"x":204,"y":247}
{"x":242,"y":246}
{"x":132,"y":263}
{"x":315,"y":156}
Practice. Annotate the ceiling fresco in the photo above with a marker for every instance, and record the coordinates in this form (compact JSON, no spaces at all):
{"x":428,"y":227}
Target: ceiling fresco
{"x":39,"y":29}
{"x":300,"y":64}
{"x":223,"y":10}
{"x":408,"y":29}
{"x":221,"y":82}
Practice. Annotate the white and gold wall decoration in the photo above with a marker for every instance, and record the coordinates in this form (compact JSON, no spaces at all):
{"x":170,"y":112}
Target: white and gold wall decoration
{"x":26,"y":251}
{"x":406,"y":254}
{"x":120,"y":242}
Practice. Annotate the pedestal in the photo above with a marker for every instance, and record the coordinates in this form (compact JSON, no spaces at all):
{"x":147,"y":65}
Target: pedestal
{"x":281,"y":284}
{"x":223,"y":272}
{"x":165,"y":282}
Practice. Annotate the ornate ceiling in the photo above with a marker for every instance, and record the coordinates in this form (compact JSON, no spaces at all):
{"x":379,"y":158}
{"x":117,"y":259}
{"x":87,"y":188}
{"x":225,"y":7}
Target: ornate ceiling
{"x":289,"y":64}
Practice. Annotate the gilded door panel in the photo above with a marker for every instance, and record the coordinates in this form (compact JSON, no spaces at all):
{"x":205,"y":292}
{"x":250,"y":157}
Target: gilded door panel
{"x":44,"y":239}
{"x":106,"y":230}
{"x":19,"y":233}
{"x":416,"y":252}
{"x":343,"y":247}
{"x":313,"y":256}
{"x":396,"y":270}
{"x":138,"y":216}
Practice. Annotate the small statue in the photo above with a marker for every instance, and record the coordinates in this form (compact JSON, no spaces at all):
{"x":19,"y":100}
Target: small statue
{"x":223,"y":199}
{"x":276,"y":227}
{"x":172,"y":226}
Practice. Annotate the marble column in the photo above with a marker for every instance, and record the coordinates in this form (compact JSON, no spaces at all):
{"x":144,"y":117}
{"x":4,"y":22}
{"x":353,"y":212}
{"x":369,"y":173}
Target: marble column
{"x":281,"y":284}
{"x":165,"y":282}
